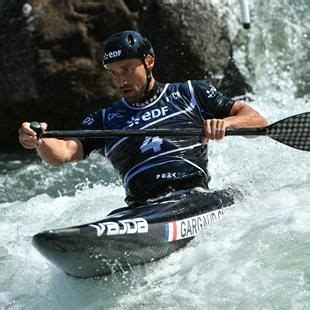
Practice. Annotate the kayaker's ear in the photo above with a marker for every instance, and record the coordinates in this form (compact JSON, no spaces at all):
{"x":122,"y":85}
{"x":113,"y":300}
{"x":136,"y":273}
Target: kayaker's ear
{"x":149,"y":62}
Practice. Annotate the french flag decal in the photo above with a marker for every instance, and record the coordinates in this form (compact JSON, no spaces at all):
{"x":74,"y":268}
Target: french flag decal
{"x":171,"y":231}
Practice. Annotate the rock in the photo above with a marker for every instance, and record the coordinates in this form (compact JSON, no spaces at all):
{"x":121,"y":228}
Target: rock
{"x":194,"y":43}
{"x":50,"y":55}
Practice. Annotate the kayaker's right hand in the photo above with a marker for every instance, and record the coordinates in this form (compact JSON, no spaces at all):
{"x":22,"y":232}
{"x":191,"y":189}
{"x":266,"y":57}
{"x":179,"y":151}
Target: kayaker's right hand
{"x":27,"y":137}
{"x":214,"y":129}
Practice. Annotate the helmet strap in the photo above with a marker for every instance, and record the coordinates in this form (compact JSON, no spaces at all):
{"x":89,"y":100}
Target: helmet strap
{"x":148,"y":78}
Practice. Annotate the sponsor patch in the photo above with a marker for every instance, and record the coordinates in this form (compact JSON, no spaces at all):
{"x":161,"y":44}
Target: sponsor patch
{"x":133,"y":226}
{"x":112,"y":54}
{"x":211,"y":92}
{"x":170,"y":175}
{"x":88,"y":121}
{"x":148,"y":116}
{"x":190,"y":227}
{"x":173,"y":97}
{"x":114,"y":115}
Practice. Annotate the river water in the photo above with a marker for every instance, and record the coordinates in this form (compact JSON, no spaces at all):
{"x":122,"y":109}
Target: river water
{"x":258,"y":257}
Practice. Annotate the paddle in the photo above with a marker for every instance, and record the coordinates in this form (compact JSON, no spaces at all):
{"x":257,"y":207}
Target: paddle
{"x":293,"y":131}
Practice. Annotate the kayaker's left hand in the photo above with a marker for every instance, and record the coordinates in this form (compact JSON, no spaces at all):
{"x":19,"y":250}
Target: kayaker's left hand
{"x":214,"y":129}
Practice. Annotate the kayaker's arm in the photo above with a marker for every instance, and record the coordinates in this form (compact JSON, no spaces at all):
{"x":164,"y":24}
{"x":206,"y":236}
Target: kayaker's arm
{"x":241,"y":116}
{"x":53,"y":151}
{"x":58,"y":152}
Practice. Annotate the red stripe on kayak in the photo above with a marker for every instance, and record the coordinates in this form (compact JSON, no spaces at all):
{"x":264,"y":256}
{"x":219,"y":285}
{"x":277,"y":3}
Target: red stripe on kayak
{"x":174,"y":237}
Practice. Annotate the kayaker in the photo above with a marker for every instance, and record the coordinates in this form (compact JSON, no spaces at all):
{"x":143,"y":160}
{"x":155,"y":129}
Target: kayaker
{"x":150,"y":167}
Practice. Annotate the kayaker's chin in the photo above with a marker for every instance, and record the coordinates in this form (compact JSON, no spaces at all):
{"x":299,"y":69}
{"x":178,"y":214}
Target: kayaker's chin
{"x":130,"y":95}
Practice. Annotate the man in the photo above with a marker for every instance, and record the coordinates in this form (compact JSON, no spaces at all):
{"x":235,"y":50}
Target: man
{"x":150,"y":167}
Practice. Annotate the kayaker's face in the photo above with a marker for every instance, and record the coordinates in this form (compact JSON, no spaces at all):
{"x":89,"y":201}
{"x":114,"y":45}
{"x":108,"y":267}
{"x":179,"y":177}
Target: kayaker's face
{"x":130,"y":77}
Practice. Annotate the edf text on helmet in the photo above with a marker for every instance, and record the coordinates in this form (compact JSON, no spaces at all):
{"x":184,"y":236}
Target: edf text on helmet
{"x":112,"y":54}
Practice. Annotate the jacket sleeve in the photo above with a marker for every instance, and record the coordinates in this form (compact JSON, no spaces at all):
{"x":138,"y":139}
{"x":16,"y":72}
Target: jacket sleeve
{"x":94,"y":121}
{"x":211,"y":102}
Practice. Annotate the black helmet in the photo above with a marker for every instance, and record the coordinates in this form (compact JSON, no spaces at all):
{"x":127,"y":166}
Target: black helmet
{"x":125,"y":45}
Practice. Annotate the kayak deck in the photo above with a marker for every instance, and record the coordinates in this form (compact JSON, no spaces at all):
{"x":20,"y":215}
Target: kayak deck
{"x":130,"y":237}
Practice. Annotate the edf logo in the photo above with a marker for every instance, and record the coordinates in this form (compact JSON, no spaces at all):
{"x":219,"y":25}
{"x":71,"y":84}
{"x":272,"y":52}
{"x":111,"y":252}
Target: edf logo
{"x":112,"y":54}
{"x":147,"y":116}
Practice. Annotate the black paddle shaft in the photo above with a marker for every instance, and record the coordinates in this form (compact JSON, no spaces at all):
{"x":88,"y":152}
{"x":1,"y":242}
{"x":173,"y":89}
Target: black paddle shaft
{"x":293,"y":131}
{"x":148,"y":132}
